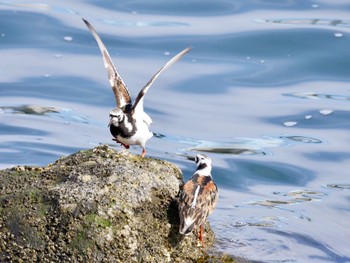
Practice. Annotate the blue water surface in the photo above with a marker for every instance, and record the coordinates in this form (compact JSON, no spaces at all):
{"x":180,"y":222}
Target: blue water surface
{"x":265,"y":92}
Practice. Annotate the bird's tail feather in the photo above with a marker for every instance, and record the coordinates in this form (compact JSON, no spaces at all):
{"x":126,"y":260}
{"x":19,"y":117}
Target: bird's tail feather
{"x":186,"y":230}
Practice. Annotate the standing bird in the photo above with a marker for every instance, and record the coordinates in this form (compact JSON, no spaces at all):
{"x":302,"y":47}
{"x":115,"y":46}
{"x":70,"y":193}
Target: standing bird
{"x":129,"y":124}
{"x":198,"y":198}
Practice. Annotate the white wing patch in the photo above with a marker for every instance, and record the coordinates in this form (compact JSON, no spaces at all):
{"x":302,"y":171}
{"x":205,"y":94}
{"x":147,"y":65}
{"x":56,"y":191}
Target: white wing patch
{"x":188,"y":222}
{"x":194,"y":203}
{"x":147,"y":119}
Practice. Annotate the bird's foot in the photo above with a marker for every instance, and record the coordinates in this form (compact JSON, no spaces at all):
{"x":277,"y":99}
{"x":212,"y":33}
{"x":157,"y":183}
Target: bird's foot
{"x":123,"y":144}
{"x":143,"y":153}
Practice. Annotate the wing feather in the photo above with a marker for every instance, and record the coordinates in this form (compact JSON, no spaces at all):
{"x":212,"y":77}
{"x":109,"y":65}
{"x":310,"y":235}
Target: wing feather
{"x":120,"y":90}
{"x":138,"y":105}
{"x":195,"y":205}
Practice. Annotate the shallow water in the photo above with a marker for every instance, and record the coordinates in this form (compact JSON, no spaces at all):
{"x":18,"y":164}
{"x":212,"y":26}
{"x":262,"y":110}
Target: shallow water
{"x":264,"y":92}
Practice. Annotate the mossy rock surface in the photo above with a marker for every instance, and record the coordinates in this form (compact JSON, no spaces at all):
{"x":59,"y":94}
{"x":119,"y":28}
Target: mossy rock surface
{"x":97,"y":205}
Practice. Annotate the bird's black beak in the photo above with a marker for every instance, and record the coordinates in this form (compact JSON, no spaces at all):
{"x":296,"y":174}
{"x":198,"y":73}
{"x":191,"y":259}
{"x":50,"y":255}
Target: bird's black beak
{"x":191,"y":158}
{"x":110,"y":122}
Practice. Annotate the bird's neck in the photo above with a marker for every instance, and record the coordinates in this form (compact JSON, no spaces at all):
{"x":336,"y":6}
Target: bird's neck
{"x":203,"y":169}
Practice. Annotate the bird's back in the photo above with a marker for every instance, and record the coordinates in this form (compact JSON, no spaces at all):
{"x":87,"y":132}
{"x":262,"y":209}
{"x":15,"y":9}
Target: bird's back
{"x":197,"y":200}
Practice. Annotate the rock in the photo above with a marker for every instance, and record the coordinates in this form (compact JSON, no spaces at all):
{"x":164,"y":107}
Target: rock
{"x":95,"y":206}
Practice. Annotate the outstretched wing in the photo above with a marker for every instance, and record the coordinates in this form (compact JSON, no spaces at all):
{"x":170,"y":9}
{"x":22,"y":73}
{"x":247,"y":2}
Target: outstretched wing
{"x":138,"y":105}
{"x":120,"y":90}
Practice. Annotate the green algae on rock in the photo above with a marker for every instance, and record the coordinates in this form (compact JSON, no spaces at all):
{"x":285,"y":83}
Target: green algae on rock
{"x":97,"y":205}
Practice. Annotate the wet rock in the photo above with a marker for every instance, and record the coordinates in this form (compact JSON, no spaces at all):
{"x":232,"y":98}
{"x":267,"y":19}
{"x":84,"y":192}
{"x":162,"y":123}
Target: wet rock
{"x":95,"y":206}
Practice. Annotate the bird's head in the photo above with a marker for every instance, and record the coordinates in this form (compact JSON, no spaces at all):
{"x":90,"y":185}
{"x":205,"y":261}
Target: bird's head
{"x":203,"y":163}
{"x":116,"y":116}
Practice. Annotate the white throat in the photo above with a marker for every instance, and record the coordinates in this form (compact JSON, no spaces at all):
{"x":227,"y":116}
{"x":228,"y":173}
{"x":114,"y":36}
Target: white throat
{"x":204,"y":171}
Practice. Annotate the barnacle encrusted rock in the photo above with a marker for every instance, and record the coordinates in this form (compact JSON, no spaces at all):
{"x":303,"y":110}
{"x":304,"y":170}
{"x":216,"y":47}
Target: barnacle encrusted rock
{"x":97,"y":205}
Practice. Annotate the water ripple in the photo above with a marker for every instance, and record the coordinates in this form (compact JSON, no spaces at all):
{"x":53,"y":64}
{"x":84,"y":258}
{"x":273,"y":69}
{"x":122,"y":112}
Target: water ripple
{"x":240,"y":146}
{"x":293,"y":197}
{"x":314,"y":22}
{"x":312,"y":95}
{"x":339,"y":186}
{"x":329,"y":254}
{"x":30,"y":109}
{"x":134,"y":23}
{"x":40,"y":6}
{"x":323,"y":118}
{"x":19,"y":152}
{"x":65,"y":114}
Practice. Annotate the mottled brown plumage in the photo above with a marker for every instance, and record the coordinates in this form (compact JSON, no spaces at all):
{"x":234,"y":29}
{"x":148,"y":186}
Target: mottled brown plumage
{"x":198,"y":198}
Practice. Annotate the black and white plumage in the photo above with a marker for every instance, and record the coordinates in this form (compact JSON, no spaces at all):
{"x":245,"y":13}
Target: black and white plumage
{"x":198,"y":198}
{"x":129,"y":124}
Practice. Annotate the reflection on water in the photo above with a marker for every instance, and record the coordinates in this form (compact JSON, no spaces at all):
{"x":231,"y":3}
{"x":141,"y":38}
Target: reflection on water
{"x":264,"y":92}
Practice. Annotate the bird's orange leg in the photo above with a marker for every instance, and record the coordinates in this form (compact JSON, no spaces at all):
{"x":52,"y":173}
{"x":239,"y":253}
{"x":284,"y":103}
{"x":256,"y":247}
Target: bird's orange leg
{"x":143,"y":153}
{"x":201,"y":231}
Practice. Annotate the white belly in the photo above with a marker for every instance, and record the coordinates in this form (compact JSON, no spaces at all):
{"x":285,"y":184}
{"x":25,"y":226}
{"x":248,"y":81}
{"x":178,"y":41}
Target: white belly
{"x":141,"y":136}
